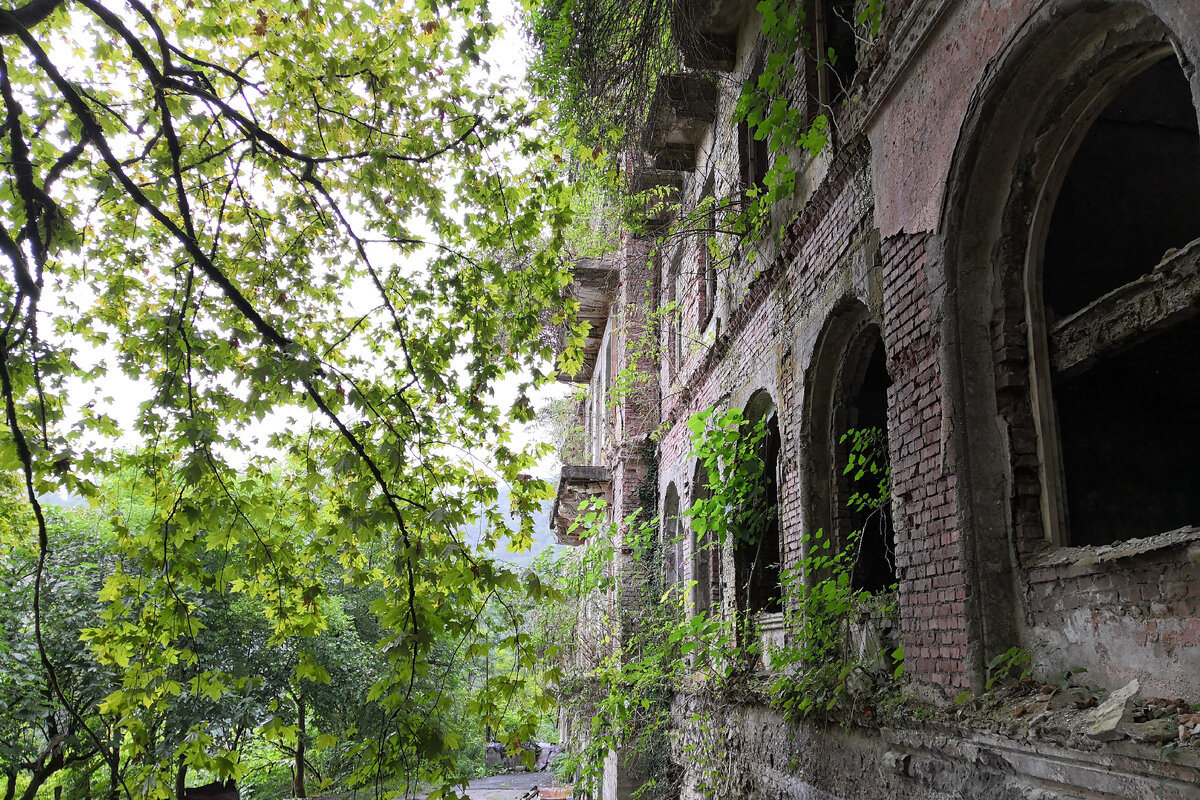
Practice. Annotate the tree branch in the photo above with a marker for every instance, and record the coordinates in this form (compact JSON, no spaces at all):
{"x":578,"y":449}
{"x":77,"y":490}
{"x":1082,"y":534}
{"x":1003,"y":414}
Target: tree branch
{"x":13,"y":21}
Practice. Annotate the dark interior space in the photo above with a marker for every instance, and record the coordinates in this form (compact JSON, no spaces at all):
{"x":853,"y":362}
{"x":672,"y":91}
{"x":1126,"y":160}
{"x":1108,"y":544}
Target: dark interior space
{"x":753,"y":153}
{"x":706,"y":555}
{"x":757,"y":556}
{"x":671,"y":545}
{"x":1131,"y":193}
{"x":839,"y":36}
{"x":875,"y":569}
{"x":1130,"y":432}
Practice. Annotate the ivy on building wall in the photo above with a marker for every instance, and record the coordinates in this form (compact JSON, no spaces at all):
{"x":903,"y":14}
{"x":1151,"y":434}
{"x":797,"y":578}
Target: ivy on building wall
{"x":837,"y":663}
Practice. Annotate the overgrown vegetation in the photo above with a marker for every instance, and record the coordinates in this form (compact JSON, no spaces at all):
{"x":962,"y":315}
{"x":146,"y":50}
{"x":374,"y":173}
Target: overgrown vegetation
{"x":843,"y":658}
{"x":667,"y":639}
{"x":264,"y":268}
{"x":287,"y":710}
{"x":600,"y":63}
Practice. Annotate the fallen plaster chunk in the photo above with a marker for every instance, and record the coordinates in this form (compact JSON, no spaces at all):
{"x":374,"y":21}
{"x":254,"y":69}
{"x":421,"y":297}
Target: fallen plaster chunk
{"x":1155,"y":730}
{"x":1104,"y":724}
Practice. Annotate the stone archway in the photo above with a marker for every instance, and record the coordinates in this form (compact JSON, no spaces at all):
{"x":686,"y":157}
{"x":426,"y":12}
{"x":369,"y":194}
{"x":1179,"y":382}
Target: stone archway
{"x":1031,"y":115}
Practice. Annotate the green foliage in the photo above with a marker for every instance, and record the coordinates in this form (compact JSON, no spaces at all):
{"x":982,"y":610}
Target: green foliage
{"x":301,"y":245}
{"x":867,"y":464}
{"x":764,"y":107}
{"x":560,"y":422}
{"x":728,"y":446}
{"x":620,"y":674}
{"x":821,"y":669}
{"x":1015,"y":663}
{"x":599,"y":61}
{"x":38,"y":737}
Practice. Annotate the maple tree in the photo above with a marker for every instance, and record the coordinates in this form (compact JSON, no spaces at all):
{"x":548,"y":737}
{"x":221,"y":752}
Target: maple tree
{"x":329,"y":221}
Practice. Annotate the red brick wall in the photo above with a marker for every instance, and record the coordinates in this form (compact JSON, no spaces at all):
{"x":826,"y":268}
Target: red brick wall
{"x":933,"y":583}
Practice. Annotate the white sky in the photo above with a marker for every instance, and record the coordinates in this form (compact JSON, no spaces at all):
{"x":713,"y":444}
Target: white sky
{"x":120,"y":396}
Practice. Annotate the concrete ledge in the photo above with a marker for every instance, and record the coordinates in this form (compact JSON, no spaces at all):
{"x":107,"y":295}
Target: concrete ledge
{"x":576,"y":485}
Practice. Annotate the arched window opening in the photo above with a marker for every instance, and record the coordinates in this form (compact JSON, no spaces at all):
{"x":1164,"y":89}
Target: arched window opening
{"x":863,"y":513}
{"x":1122,"y":337}
{"x":706,"y":554}
{"x":756,"y":550}
{"x":672,"y":544}
{"x":1131,"y":193}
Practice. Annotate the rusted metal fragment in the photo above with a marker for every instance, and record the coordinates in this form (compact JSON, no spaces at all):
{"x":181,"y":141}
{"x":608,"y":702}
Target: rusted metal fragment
{"x":1129,"y":314}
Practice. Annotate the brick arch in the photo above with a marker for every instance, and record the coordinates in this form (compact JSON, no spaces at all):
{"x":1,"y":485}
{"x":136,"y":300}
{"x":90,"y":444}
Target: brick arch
{"x":837,"y":370}
{"x":757,"y":563}
{"x":1028,"y":118}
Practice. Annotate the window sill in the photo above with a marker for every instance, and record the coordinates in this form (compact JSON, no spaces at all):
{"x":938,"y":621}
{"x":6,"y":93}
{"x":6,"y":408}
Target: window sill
{"x":1048,"y":564}
{"x":772,"y":637}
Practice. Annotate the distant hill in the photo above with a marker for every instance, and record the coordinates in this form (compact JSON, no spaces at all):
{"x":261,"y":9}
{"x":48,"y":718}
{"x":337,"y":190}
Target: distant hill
{"x":64,"y":501}
{"x":543,"y":536}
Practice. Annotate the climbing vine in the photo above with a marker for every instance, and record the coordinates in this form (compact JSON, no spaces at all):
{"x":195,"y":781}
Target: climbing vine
{"x":665,"y":640}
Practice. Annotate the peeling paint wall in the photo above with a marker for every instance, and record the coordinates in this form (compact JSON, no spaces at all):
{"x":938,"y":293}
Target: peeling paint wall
{"x":926,"y":220}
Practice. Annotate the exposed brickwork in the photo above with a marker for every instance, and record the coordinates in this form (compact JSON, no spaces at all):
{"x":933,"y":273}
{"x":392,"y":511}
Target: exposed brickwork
{"x":1146,"y":588}
{"x":933,"y":583}
{"x":866,"y":248}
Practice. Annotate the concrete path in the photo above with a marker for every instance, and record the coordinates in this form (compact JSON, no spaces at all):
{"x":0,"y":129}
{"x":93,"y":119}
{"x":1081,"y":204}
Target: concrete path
{"x":509,"y":786}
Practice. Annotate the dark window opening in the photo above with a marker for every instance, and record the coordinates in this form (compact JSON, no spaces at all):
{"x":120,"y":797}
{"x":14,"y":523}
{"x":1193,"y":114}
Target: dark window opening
{"x":707,"y":267}
{"x":1131,"y":193}
{"x":1130,"y":432}
{"x":875,"y":560}
{"x":1126,"y":412}
{"x":753,"y":153}
{"x":841,"y":39}
{"x":706,"y":555}
{"x":757,"y":553}
{"x":671,"y":543}
{"x":673,"y":328}
{"x":753,"y":157}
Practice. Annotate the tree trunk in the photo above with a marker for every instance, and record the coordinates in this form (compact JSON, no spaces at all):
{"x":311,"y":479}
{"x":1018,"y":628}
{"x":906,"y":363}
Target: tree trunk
{"x":114,"y":776}
{"x":181,"y":779}
{"x":298,"y":769}
{"x":41,"y":773}
{"x":10,"y":784}
{"x":49,"y":762}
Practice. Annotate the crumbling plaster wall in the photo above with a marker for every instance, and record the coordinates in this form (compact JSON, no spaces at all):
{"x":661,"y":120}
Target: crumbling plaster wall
{"x":1038,"y":67}
{"x":894,"y":218}
{"x":748,"y":751}
{"x":952,"y":45}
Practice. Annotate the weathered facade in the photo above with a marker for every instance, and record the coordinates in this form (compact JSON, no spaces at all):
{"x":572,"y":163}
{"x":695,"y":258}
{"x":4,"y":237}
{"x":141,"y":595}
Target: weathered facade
{"x":997,"y":260}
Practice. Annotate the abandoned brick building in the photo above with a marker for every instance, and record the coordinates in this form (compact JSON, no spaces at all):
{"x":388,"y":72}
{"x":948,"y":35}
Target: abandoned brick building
{"x":996,"y":259}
